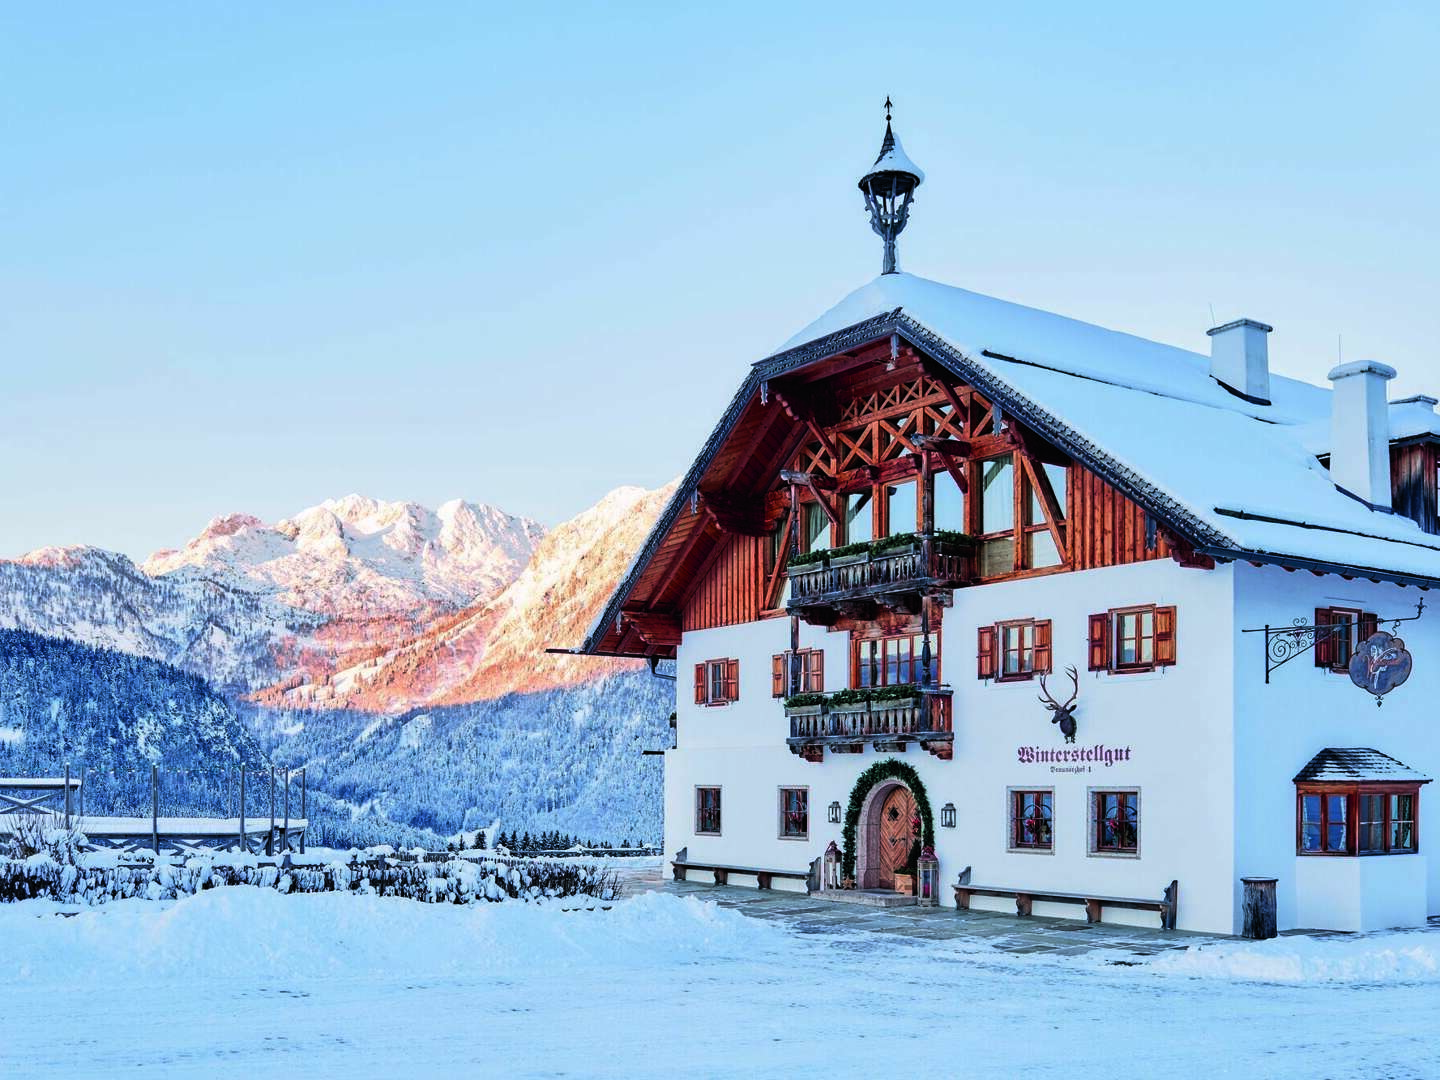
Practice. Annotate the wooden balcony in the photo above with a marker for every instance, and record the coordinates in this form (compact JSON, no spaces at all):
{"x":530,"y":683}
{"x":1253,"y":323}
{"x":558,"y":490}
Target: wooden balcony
{"x":845,"y":727}
{"x":859,"y":584}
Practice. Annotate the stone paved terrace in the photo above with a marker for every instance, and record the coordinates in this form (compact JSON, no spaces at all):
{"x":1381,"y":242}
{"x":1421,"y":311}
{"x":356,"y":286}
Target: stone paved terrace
{"x":1037,"y":934}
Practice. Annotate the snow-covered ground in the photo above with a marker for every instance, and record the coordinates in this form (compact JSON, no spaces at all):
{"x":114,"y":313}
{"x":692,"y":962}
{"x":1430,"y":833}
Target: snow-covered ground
{"x":247,"y":982}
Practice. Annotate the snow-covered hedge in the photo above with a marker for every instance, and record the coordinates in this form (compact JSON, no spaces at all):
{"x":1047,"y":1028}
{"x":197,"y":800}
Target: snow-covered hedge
{"x":88,"y":880}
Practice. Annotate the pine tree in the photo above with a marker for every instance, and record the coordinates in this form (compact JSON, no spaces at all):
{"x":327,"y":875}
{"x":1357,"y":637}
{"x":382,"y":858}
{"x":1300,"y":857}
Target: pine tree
{"x":527,"y":845}
{"x":480,"y":840}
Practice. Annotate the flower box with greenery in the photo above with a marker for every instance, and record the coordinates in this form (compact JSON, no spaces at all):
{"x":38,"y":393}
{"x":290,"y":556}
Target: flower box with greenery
{"x":849,"y":699}
{"x":886,"y":545}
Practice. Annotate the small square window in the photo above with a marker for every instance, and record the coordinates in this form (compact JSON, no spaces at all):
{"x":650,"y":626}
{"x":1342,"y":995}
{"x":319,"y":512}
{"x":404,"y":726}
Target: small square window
{"x":1032,"y":815}
{"x":794,"y":813}
{"x":1115,"y":822}
{"x":707,"y":811}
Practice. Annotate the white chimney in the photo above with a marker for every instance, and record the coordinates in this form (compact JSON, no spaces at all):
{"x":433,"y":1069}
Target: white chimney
{"x":1240,"y":358}
{"x":1360,"y":430}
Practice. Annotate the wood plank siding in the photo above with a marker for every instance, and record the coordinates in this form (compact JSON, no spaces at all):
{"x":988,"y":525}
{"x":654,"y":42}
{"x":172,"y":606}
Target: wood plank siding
{"x":1413,"y":483}
{"x":1106,"y":528}
{"x":729,"y":593}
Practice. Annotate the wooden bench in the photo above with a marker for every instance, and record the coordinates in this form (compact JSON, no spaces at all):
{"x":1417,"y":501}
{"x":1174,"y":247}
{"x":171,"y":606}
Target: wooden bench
{"x":1094,"y":903}
{"x":722,"y":871}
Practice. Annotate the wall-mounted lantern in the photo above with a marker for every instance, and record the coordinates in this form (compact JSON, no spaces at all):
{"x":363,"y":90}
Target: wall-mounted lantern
{"x":947,"y":816}
{"x":834,"y":814}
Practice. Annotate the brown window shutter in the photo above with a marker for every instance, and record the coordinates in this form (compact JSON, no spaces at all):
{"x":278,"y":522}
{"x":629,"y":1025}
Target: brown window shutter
{"x":732,"y":680}
{"x":817,"y":672}
{"x":699,"y":684}
{"x":985,"y":653}
{"x":1324,"y":641}
{"x":777,"y":675}
{"x":1164,"y":636}
{"x":1043,"y":652}
{"x":1100,"y":642}
{"x":1369,"y":624}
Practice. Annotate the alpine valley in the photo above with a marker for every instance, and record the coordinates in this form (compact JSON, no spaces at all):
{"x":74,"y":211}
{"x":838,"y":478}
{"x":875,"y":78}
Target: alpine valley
{"x":395,"y":651}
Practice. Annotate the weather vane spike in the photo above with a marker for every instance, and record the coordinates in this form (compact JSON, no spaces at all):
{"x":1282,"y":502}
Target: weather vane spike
{"x":888,"y":107}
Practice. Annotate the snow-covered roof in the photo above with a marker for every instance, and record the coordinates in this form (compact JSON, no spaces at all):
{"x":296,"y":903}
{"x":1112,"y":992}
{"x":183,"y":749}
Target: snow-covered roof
{"x":892,"y":158}
{"x":1247,"y":471}
{"x":1357,"y":763}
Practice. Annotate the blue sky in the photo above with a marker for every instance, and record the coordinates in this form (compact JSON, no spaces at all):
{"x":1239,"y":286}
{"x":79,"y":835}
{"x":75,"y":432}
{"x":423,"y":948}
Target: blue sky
{"x":253,"y":256}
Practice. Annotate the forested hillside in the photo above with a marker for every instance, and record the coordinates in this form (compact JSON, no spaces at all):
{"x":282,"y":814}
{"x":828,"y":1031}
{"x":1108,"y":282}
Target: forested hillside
{"x":114,"y":715}
{"x":553,"y":759}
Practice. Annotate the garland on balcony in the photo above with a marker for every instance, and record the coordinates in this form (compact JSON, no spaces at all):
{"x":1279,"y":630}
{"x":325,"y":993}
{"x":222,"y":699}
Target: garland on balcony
{"x":878,"y":773}
{"x":853,"y":697}
{"x":878,"y":547}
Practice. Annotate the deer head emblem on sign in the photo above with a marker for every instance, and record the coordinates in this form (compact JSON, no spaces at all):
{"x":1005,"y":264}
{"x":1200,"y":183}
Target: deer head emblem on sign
{"x":1064,"y":715}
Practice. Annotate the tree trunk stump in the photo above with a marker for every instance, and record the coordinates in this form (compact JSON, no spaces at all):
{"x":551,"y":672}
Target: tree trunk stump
{"x":1259,"y":908}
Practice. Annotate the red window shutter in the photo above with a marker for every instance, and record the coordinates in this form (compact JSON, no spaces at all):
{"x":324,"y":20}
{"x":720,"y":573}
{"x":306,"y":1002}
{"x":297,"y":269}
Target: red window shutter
{"x":1164,"y":636}
{"x":817,"y":671}
{"x":1100,"y":642}
{"x":1369,"y":624}
{"x":732,"y":680}
{"x":1043,"y":662}
{"x":985,"y":653}
{"x":700,"y":698}
{"x":777,"y":675}
{"x":1324,"y":640}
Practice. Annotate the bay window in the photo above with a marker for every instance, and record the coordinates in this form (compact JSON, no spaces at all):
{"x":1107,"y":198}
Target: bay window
{"x":1361,"y":818}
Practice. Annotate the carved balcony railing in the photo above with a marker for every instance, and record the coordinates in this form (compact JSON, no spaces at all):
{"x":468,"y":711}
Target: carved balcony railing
{"x":856,"y":584}
{"x":846,"y":726}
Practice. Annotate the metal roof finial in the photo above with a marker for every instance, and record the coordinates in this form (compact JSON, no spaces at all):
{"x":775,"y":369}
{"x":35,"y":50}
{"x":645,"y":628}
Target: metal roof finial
{"x":889,"y":187}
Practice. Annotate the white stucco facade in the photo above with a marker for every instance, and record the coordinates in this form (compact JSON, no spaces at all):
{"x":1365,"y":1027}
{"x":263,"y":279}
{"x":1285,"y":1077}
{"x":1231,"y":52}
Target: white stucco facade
{"x":1208,"y":747}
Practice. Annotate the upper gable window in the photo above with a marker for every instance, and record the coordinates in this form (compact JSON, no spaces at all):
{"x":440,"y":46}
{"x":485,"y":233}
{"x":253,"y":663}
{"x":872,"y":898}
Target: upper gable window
{"x":901,"y":508}
{"x":949,"y":503}
{"x":997,"y":515}
{"x":858,"y":524}
{"x":816,"y":534}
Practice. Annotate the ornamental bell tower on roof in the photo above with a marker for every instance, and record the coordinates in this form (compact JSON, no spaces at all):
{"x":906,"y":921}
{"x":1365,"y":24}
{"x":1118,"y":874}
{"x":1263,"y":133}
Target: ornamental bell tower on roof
{"x":888,"y":187}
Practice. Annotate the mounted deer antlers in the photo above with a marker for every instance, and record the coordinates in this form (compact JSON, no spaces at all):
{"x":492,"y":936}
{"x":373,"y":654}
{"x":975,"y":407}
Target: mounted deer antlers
{"x":1064,"y":715}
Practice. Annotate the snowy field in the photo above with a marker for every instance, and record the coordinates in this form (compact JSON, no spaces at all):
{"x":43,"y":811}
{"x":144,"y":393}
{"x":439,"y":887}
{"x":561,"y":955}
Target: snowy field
{"x":248,"y":982}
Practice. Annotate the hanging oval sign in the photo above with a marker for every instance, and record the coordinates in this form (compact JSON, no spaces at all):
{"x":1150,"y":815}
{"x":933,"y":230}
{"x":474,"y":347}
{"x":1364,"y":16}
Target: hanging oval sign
{"x":1380,"y":663}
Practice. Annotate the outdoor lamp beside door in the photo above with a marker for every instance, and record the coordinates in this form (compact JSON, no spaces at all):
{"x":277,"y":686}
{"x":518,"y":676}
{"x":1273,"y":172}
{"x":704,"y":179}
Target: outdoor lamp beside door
{"x":947,"y":816}
{"x":834,"y":813}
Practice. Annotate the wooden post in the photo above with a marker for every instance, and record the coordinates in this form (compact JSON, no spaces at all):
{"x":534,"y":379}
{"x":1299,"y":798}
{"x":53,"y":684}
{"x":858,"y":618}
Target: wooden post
{"x":794,"y":619}
{"x":67,"y":795}
{"x":244,"y":844}
{"x":1259,"y":908}
{"x":155,"y":810}
{"x":927,"y":560}
{"x":303,"y":815}
{"x":82,"y":792}
{"x":285,"y":833}
{"x":270,"y":836}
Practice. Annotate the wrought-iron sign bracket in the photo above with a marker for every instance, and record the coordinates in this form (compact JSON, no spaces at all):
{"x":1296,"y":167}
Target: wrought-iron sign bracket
{"x":1285,"y":643}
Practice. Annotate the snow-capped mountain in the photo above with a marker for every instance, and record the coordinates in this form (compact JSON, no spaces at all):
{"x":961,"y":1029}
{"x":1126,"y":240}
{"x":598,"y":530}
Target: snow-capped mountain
{"x":498,"y":646}
{"x":360,"y":557}
{"x":233,"y":637}
{"x":246,"y":605}
{"x":398,"y":653}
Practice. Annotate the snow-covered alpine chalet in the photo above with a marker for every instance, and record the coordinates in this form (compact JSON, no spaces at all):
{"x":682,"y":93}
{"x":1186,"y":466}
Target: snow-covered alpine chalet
{"x":958,"y":572}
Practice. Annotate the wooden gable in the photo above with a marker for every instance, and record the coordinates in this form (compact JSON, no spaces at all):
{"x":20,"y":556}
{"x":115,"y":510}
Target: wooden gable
{"x":854,"y":419}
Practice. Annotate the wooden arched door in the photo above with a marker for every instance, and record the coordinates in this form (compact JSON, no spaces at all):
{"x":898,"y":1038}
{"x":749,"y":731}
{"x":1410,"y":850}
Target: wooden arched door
{"x":896,"y":834}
